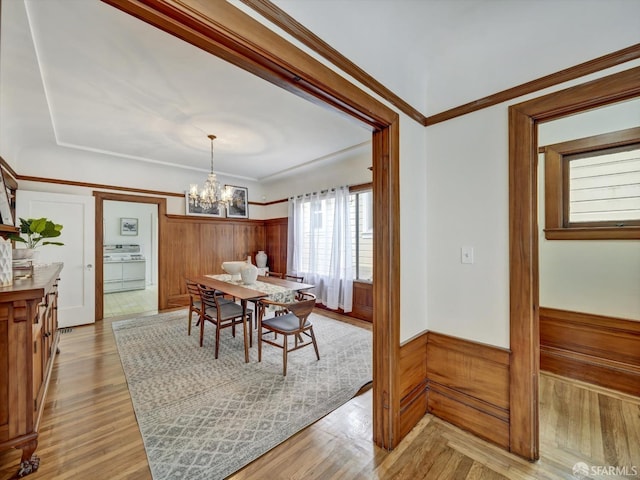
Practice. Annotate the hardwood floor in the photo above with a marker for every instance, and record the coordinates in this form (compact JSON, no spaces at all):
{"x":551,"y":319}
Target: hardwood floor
{"x":89,"y":431}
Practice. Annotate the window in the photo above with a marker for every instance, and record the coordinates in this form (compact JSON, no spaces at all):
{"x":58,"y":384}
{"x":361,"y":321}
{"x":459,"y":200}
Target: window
{"x":361,"y":214}
{"x":592,"y":187}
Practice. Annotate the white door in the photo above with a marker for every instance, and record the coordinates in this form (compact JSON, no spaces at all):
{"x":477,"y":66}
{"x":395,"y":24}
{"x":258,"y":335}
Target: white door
{"x":76,"y":213}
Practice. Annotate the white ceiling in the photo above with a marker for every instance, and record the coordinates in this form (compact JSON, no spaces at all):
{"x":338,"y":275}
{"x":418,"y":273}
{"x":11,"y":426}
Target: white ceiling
{"x":116,"y":85}
{"x":87,"y":76}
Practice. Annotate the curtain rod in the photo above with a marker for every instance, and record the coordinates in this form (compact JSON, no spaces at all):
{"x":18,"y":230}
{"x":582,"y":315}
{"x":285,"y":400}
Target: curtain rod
{"x":358,"y":186}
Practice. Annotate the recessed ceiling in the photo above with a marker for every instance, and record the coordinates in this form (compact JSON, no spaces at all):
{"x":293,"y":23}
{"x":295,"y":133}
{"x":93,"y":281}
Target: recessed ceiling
{"x":116,"y":85}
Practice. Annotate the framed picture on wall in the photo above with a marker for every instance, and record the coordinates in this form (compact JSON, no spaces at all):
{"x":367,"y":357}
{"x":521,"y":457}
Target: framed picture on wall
{"x":239,"y":204}
{"x":193,"y":207}
{"x":128,"y":226}
{"x":6,"y":215}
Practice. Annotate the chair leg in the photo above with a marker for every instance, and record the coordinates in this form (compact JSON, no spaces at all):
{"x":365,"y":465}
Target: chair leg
{"x":201,"y":331}
{"x":259,"y":340}
{"x":284,"y":355}
{"x":189,"y":328}
{"x":217,"y":339}
{"x":315,"y":345}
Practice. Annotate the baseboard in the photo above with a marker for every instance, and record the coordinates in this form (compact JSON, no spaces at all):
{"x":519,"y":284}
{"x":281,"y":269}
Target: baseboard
{"x":463,"y":382}
{"x":601,"y":350}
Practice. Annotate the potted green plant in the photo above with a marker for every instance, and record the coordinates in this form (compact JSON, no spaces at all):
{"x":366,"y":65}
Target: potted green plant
{"x":33,"y":232}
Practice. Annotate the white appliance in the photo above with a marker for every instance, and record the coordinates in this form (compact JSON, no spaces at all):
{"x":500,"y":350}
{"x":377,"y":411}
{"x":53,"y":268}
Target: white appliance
{"x":124,"y":268}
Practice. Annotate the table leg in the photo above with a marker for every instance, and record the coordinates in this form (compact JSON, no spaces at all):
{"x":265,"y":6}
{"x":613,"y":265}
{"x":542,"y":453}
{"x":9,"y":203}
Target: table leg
{"x":244,"y":328}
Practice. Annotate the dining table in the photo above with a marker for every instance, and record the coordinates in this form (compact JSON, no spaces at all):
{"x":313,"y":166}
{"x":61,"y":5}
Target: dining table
{"x":277,"y":289}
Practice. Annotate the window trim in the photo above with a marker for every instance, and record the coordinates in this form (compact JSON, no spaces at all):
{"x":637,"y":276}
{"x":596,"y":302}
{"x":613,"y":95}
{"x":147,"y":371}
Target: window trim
{"x":557,"y":226}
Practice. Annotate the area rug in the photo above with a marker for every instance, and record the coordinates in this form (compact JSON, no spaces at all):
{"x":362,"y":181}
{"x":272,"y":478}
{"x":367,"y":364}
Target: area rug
{"x":202,"y":418}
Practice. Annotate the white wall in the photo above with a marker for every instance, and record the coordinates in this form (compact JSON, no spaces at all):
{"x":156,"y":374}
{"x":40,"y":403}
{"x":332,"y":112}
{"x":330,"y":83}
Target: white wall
{"x":600,"y":277}
{"x":147,"y":237}
{"x":467,"y":205}
{"x":350,"y":169}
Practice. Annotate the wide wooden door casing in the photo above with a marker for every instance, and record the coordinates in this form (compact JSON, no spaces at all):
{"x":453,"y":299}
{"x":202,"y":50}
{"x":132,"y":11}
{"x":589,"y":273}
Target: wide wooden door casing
{"x":76,"y":304}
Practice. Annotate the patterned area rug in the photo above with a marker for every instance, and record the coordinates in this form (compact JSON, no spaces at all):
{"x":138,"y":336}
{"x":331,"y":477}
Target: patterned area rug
{"x":202,"y":418}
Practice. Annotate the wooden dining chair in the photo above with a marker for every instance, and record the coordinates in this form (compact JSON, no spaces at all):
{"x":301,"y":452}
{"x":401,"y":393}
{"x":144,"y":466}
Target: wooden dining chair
{"x":273,"y":274}
{"x":221,"y":312}
{"x":294,"y":278}
{"x":294,"y":323}
{"x":194,"y":303}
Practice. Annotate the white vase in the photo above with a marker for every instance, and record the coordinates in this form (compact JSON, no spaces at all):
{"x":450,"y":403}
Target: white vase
{"x":249,"y":274}
{"x":261,"y":259}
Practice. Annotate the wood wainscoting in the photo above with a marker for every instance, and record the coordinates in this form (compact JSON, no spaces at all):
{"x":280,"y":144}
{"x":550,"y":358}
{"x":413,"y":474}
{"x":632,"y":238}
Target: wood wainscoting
{"x":597,"y":349}
{"x":192,"y":245}
{"x":463,"y":382}
{"x":276,"y":233}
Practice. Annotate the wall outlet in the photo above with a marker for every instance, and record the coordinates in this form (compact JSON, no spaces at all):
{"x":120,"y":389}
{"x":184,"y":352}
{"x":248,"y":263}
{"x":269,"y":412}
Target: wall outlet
{"x":466,"y":254}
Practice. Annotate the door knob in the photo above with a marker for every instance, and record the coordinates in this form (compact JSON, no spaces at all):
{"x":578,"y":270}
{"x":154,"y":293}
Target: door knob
{"x":89,"y":267}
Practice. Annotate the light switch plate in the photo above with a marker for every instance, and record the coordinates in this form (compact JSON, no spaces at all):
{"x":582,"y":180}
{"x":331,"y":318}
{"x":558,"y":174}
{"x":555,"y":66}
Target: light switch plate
{"x":466,"y":254}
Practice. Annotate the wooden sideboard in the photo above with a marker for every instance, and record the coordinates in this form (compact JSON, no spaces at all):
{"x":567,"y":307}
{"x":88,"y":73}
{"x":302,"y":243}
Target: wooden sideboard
{"x":28,"y":343}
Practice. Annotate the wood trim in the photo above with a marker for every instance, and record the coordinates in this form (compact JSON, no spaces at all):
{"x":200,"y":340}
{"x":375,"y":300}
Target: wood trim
{"x":595,"y":142}
{"x":100,"y":186}
{"x":298,"y":31}
{"x":606,"y":61}
{"x":386,"y":285}
{"x":99,"y":240}
{"x":523,"y":235}
{"x":588,"y":368}
{"x":225,"y":31}
{"x":273,"y":202}
{"x":593,"y":233}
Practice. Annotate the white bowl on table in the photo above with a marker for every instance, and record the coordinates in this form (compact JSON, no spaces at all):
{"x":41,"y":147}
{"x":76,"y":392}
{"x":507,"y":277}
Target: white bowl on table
{"x":233,"y":268}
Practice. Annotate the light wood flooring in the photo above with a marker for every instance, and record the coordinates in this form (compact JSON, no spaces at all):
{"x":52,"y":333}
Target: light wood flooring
{"x":89,"y":431}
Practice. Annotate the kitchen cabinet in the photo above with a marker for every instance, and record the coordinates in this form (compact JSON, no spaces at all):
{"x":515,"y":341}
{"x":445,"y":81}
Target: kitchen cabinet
{"x":28,"y":343}
{"x":123,"y":276}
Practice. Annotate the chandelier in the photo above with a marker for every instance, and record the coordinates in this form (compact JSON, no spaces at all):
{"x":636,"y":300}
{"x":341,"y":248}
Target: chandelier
{"x":212,"y":194}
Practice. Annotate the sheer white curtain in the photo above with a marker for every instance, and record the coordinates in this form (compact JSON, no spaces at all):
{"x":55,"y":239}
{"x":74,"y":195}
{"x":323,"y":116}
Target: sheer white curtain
{"x":319,"y":245}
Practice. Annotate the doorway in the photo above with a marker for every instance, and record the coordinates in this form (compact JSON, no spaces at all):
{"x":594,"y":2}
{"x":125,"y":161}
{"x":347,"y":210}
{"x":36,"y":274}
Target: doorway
{"x":225,"y":31}
{"x":130,"y":258}
{"x":131,"y":221}
{"x":523,"y":239}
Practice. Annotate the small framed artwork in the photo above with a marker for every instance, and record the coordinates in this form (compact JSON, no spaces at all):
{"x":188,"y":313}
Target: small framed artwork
{"x":194,"y":207}
{"x":239,"y":203}
{"x":128,"y":226}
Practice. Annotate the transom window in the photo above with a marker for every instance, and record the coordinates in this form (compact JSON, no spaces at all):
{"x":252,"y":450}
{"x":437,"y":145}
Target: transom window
{"x":604,"y":187}
{"x":592,"y":187}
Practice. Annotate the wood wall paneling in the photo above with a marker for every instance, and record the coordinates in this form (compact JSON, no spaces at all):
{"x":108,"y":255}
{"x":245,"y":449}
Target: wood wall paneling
{"x":363,"y":301}
{"x":4,"y":378}
{"x":276,"y":234}
{"x":463,"y":382}
{"x":413,"y":382}
{"x":195,"y":246}
{"x":469,"y":386}
{"x":597,"y":349}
